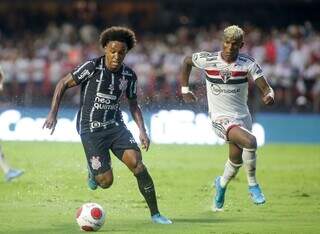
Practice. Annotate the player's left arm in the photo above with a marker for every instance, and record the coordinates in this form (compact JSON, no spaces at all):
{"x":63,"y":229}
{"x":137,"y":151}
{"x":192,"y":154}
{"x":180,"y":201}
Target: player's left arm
{"x":255,"y":71}
{"x":266,"y":90}
{"x":135,"y":110}
{"x":138,"y":118}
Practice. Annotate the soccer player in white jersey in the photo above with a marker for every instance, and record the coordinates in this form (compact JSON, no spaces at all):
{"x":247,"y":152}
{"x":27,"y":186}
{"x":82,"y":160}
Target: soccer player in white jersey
{"x":227,"y":76}
{"x":9,"y":173}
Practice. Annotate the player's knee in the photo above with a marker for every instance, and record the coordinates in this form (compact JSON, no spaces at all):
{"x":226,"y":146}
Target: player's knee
{"x":105,"y":182}
{"x":251,"y":142}
{"x":139,"y":167}
{"x":236,"y":160}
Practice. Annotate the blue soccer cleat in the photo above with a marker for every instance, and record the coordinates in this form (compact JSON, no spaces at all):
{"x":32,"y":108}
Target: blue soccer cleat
{"x":160,"y":219}
{"x":12,"y":174}
{"x":256,"y":194}
{"x":92,"y":183}
{"x":220,"y":193}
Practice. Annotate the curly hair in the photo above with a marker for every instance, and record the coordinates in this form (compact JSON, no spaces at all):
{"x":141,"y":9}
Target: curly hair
{"x":117,"y":33}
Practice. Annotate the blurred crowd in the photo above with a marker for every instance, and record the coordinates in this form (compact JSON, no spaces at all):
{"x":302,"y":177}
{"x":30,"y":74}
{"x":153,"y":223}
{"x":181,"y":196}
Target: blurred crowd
{"x":290,"y":58}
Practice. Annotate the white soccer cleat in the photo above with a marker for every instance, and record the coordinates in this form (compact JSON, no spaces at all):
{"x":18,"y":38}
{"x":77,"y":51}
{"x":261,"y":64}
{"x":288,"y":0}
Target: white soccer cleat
{"x":160,"y":219}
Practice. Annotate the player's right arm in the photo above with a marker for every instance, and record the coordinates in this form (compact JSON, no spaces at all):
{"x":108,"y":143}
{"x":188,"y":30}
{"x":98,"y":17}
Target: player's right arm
{"x":79,"y":75}
{"x":187,"y":65}
{"x":64,"y":84}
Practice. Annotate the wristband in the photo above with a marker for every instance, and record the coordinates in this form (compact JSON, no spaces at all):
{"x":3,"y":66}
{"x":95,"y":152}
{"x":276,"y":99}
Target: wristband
{"x":184,"y":89}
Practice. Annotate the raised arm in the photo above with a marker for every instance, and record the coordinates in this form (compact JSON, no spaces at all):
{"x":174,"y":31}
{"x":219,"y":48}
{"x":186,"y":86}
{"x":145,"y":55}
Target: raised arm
{"x":266,"y":90}
{"x":138,"y":118}
{"x":187,"y":95}
{"x":65,"y":83}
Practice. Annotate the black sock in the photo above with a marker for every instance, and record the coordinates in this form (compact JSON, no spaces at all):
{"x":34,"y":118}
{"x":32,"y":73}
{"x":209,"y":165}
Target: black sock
{"x":147,"y":190}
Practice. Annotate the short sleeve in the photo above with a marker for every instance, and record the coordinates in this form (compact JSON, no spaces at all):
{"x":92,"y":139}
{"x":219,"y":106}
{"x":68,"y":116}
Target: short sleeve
{"x":131,"y":91}
{"x":255,"y":70}
{"x":83,"y":72}
{"x":200,"y":59}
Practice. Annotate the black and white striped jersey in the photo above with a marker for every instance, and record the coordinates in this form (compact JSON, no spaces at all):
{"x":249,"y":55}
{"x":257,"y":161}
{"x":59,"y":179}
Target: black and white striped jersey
{"x":101,"y":91}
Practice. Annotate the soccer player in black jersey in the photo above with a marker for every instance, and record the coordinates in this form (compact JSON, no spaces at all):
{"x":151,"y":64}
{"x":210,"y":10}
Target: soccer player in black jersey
{"x":103,"y":81}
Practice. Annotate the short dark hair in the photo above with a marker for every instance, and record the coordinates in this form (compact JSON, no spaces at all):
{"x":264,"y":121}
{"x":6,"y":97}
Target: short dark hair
{"x":117,"y":33}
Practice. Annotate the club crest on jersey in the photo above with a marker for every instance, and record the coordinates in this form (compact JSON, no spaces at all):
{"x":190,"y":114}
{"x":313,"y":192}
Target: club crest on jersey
{"x":132,"y":141}
{"x":95,"y":162}
{"x":225,"y":75}
{"x":123,"y":84}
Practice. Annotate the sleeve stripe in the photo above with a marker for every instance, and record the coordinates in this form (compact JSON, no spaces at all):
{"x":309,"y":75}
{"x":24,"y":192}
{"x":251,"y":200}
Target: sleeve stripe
{"x":79,"y":69}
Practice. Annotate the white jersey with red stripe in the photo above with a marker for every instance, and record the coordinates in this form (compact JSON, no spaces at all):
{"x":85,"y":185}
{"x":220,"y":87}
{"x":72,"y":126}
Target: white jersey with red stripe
{"x":227,"y":83}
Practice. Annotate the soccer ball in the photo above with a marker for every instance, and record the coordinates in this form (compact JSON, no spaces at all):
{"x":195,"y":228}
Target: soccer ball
{"x":90,"y":217}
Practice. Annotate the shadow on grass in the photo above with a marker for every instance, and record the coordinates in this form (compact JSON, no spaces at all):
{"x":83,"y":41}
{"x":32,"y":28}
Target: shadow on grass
{"x":64,"y":229}
{"x":197,"y":220}
{"x":72,"y":228}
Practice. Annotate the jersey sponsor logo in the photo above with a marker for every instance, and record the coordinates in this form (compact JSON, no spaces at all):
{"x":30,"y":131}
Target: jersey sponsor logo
{"x":102,"y":100}
{"x":102,"y":103}
{"x":216,"y":90}
{"x":100,"y":106}
{"x":108,"y":96}
{"x":97,"y":124}
{"x":95,"y":162}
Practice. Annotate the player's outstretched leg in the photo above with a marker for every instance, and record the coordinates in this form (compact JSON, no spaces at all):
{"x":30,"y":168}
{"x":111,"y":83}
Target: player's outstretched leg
{"x":133,"y":160}
{"x":147,"y":190}
{"x":221,"y":182}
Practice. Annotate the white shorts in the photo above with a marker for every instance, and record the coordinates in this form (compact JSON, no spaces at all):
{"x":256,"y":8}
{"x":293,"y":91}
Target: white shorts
{"x":222,"y":124}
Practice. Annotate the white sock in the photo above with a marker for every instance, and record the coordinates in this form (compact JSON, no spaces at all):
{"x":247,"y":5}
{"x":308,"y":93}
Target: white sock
{"x":230,"y":171}
{"x":3,"y":164}
{"x":249,"y":161}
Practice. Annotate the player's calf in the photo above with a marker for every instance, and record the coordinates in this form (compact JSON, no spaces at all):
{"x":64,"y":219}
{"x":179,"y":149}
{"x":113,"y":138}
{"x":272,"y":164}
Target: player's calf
{"x":249,"y":161}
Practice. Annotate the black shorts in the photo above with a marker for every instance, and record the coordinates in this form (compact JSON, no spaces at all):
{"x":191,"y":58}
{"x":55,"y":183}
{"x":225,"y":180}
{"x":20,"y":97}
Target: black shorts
{"x":97,"y":145}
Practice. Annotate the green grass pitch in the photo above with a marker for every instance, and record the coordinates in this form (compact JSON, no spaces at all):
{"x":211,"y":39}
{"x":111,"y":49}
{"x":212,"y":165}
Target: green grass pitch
{"x":45,"y":199}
